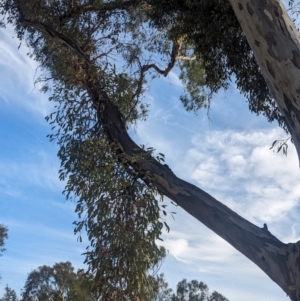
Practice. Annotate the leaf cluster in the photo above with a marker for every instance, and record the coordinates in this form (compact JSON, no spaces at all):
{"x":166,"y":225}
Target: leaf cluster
{"x":9,"y":294}
{"x":117,"y":205}
{"x":210,"y":29}
{"x":120,"y":214}
{"x":3,"y":237}
{"x":281,"y":145}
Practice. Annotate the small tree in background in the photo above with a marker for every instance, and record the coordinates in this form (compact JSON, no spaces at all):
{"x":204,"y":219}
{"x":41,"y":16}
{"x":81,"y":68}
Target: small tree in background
{"x":9,"y":295}
{"x":195,"y":291}
{"x":61,"y":283}
{"x":3,"y":237}
{"x":186,"y":291}
{"x":58,"y":283}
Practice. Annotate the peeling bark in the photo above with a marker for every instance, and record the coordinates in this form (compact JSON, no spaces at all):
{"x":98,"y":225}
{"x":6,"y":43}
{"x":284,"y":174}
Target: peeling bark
{"x":275,"y":42}
{"x":281,"y":262}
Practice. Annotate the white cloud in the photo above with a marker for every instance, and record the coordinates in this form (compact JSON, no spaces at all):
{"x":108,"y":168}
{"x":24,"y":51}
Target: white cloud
{"x":18,"y":73}
{"x":241,"y":170}
{"x":177,"y":247}
{"x":19,"y":175}
{"x":198,"y":247}
{"x":295,"y":233}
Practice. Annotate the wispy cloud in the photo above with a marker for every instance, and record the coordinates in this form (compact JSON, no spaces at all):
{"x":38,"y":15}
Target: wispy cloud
{"x":18,"y":73}
{"x":41,"y":172}
{"x":32,"y":244}
{"x":233,"y":164}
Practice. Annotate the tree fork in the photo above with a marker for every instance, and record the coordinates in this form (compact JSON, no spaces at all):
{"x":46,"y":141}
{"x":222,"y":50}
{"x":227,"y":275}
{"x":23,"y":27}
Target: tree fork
{"x":281,"y":262}
{"x":275,"y":42}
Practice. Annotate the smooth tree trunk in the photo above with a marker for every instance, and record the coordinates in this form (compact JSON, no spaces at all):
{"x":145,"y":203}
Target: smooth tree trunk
{"x":275,"y":42}
{"x":281,"y":262}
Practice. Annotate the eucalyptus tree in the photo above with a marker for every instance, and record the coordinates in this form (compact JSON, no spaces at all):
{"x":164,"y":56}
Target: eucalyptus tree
{"x":195,"y":291}
{"x":3,"y":237}
{"x":58,"y":283}
{"x":49,"y":283}
{"x":186,"y":291}
{"x":9,"y":294}
{"x":118,"y":183}
{"x":161,"y":289}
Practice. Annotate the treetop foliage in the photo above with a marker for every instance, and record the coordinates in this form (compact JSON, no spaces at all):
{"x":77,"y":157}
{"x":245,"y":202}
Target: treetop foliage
{"x":209,"y":32}
{"x":3,"y":237}
{"x":9,"y":294}
{"x":59,"y":282}
{"x":97,"y":57}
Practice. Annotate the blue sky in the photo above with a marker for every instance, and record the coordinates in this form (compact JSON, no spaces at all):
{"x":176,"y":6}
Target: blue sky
{"x":227,"y":155}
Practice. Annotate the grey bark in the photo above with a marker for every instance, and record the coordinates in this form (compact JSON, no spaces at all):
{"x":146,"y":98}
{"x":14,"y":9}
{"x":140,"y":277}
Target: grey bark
{"x":275,"y":42}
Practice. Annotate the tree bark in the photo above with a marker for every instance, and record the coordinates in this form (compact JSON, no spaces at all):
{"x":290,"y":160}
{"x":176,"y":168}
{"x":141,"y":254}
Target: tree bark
{"x":281,"y":262}
{"x":275,"y":42}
